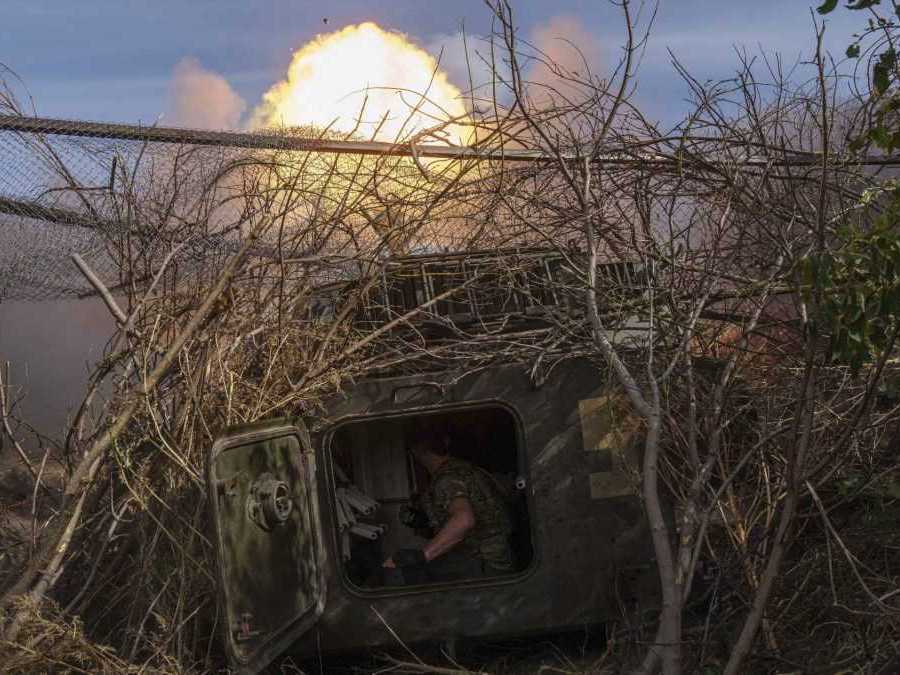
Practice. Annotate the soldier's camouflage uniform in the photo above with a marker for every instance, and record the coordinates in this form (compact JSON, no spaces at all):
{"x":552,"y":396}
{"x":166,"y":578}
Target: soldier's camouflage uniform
{"x":488,"y":542}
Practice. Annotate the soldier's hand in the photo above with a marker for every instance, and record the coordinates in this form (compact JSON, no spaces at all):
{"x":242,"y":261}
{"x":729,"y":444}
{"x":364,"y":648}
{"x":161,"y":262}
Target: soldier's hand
{"x":389,"y":563}
{"x":413,"y":516}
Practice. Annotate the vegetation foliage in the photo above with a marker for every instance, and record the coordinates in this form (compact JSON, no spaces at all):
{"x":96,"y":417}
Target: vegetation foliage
{"x":762,"y":377}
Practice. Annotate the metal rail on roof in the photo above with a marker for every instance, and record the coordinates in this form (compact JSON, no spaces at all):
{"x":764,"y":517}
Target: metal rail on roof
{"x":256,"y":140}
{"x":268,"y":140}
{"x":506,"y":282}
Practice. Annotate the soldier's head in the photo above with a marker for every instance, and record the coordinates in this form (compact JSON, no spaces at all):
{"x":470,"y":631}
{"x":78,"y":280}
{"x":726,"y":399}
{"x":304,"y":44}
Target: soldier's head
{"x":429,"y":445}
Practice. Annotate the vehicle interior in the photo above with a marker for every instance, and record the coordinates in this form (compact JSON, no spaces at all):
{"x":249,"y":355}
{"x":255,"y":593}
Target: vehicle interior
{"x":376,"y":481}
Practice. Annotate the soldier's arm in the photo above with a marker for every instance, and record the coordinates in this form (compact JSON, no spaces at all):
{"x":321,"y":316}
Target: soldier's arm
{"x":461,"y":520}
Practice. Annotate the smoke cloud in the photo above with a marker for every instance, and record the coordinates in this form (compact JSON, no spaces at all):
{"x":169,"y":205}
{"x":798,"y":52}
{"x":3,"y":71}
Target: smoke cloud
{"x":338,"y":77}
{"x":562,"y":41}
{"x":202,"y":99}
{"x":451,"y":51}
{"x":565,"y":43}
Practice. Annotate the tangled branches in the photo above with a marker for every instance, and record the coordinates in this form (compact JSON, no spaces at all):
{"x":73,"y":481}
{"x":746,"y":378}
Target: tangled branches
{"x":247,"y":284}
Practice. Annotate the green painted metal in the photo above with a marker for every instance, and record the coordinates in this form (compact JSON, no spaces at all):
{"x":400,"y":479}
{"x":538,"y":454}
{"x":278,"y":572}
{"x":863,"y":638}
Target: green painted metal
{"x":271,"y":558}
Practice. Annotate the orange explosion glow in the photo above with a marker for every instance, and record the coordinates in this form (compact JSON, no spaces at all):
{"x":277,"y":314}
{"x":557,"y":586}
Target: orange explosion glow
{"x":331,"y":78}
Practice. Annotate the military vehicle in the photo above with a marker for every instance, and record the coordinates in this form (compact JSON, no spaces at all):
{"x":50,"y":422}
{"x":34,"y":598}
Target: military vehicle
{"x":306,"y":509}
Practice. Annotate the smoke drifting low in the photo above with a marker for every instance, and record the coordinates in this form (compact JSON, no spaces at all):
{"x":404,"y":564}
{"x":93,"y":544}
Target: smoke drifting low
{"x":202,"y":99}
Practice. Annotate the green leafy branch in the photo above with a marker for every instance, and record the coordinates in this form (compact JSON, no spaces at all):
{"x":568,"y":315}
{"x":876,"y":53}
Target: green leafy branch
{"x":884,"y":73}
{"x":858,"y":285}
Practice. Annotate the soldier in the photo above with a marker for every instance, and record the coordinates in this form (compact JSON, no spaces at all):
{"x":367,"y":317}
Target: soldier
{"x":468,"y":514}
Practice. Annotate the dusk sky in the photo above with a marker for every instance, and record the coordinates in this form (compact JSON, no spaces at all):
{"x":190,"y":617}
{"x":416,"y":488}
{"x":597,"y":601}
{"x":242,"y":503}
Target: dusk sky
{"x":115,"y":60}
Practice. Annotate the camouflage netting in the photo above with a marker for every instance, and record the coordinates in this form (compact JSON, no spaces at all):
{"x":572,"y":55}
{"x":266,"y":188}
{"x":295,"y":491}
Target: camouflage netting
{"x":61,"y":194}
{"x":35,"y":252}
{"x":69,"y":187}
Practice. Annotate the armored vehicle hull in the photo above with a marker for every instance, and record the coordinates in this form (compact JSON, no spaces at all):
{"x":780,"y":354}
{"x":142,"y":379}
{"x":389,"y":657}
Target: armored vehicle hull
{"x":568,"y":444}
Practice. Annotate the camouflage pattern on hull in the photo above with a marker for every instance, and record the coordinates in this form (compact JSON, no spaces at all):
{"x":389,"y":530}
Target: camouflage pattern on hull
{"x":592,"y":550}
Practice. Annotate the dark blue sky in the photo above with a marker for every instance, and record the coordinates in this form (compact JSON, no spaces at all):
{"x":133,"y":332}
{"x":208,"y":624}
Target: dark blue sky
{"x":113,"y":59}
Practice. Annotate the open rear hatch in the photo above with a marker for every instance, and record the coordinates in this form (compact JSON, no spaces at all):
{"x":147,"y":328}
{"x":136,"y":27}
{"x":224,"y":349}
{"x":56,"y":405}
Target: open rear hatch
{"x":270,"y":552}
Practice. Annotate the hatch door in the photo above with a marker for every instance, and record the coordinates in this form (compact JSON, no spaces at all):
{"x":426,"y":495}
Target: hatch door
{"x":262,"y":483}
